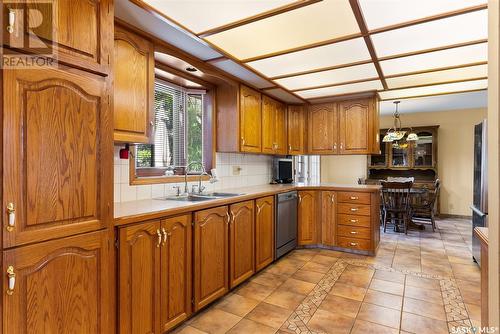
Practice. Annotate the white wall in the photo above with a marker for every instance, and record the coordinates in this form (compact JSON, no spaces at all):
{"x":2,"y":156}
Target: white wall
{"x":345,"y":169}
{"x":256,"y":170}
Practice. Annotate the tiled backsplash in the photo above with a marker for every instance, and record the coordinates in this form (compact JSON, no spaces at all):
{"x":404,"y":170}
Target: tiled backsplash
{"x":255,"y":170}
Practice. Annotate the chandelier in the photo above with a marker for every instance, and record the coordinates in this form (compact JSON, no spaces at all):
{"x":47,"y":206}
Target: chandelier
{"x":396,"y":134}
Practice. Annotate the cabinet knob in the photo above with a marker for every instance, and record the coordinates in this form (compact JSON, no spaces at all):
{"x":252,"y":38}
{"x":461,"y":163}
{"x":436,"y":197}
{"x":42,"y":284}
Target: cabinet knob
{"x":158,"y":233}
{"x":11,"y":275}
{"x":11,"y":212}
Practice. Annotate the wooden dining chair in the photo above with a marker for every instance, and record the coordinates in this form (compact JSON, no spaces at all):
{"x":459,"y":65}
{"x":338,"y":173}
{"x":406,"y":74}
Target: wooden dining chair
{"x":396,"y":203}
{"x":426,"y":209}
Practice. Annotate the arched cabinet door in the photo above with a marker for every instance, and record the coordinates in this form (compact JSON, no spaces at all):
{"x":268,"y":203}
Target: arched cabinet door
{"x":56,"y":140}
{"x":355,"y":126}
{"x":264,"y":232}
{"x":323,"y":129}
{"x":60,"y":286}
{"x":307,"y":231}
{"x":241,"y":242}
{"x":210,"y":255}
{"x":250,"y":120}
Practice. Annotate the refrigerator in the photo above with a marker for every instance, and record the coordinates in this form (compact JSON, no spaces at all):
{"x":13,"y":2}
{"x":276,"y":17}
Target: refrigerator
{"x":480,"y":188}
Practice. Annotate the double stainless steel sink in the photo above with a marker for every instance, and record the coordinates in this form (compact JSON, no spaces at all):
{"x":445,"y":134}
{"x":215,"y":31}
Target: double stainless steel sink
{"x":194,"y":197}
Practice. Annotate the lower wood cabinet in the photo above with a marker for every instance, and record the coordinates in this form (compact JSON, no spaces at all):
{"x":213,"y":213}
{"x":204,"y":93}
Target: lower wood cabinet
{"x":241,"y":242}
{"x":59,"y":286}
{"x":264,"y":232}
{"x":155,"y":263}
{"x":211,"y":278}
{"x":307,"y":218}
{"x":328,"y":218}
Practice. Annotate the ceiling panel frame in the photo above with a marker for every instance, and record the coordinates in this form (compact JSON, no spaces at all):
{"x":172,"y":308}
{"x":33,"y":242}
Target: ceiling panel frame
{"x":437,"y":94}
{"x":436,"y":83}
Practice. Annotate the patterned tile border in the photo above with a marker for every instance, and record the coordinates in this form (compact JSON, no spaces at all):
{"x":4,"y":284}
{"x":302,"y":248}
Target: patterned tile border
{"x":456,"y":313}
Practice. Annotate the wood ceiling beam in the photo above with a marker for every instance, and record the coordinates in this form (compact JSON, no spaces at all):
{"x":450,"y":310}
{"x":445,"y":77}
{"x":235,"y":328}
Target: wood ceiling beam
{"x":342,"y":96}
{"x":358,"y":14}
{"x":258,"y":17}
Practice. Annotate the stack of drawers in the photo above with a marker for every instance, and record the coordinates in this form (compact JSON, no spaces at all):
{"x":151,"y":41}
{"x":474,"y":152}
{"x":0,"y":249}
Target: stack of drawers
{"x":354,"y":220}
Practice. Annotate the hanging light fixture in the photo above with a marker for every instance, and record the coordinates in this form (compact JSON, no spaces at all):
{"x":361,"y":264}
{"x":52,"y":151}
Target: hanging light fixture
{"x":396,"y":134}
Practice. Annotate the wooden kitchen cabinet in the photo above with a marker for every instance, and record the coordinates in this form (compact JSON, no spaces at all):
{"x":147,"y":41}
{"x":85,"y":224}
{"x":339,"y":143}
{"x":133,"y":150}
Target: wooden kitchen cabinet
{"x":323,"y":129}
{"x":264,"y":232}
{"x":59,"y":286}
{"x":307,"y":218}
{"x":358,"y":126}
{"x":56,"y":135}
{"x":210,"y":255}
{"x":250,"y":120}
{"x":133,"y":87}
{"x":328,"y":218}
{"x":139,"y":278}
{"x":273,"y":126}
{"x":241,"y":242}
{"x":296,"y":122}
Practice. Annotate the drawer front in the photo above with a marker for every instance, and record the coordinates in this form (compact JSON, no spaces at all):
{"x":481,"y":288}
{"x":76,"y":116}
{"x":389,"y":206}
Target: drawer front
{"x":353,"y":220}
{"x":353,"y":197}
{"x":353,"y":243}
{"x":354,"y":209}
{"x":353,"y":232}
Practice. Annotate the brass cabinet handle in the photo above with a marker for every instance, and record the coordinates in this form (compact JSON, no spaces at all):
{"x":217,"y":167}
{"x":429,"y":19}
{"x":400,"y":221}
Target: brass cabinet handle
{"x":242,"y":141}
{"x":341,"y":146}
{"x":334,"y":146}
{"x":228,"y":218}
{"x":354,"y":209}
{"x":354,"y":232}
{"x":354,"y":197}
{"x":300,"y":199}
{"x":289,"y":147}
{"x":158,"y":233}
{"x":353,"y":244}
{"x":164,"y":235}
{"x":332,"y":198}
{"x":11,"y":212}
{"x":11,"y":275}
{"x":12,"y":21}
{"x":354,"y":220}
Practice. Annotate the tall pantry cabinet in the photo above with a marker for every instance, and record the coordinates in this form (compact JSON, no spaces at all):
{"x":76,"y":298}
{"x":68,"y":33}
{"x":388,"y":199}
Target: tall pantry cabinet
{"x":57,"y":155}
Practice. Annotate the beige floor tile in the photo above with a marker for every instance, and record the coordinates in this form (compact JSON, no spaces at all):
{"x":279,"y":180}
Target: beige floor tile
{"x":348,"y":291}
{"x":357,"y":276}
{"x":422,"y":282}
{"x":424,"y":308}
{"x":379,"y":315}
{"x":474,"y":311}
{"x":365,"y":327}
{"x":313,"y":266}
{"x":390,"y":276}
{"x":236,"y":304}
{"x":188,"y":330}
{"x":332,"y":253}
{"x":285,"y":299}
{"x":386,"y":286}
{"x":254,"y":290}
{"x":268,"y":279}
{"x":332,"y":323}
{"x":282,"y":269}
{"x":344,"y":306}
{"x":297,"y":286}
{"x":417,"y":324}
{"x":308,"y":276}
{"x":246,"y":326}
{"x":215,"y":321}
{"x":383,"y":299}
{"x":269,"y":314}
{"x":324,"y":260}
{"x":432,"y":296}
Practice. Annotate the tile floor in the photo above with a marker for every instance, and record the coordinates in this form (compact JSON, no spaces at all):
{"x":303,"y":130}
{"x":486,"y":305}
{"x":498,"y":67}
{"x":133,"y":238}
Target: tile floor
{"x":420,"y":283}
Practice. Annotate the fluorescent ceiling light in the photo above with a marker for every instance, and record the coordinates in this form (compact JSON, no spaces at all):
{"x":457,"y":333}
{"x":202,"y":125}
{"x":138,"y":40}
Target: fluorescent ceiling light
{"x":340,"y":75}
{"x":346,"y":52}
{"x":339,"y":90}
{"x":434,"y":90}
{"x":379,"y":14}
{"x":453,"y":30}
{"x":437,"y":59}
{"x":454,"y":74}
{"x":296,"y":28}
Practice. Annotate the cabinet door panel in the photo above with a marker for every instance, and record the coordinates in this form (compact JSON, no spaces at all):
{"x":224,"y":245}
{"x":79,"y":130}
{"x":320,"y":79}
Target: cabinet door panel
{"x":241,"y":242}
{"x":56,"y":135}
{"x":354,"y":127}
{"x":61,"y":286}
{"x":176,"y":271}
{"x":250,"y":120}
{"x":328,"y":218}
{"x":296,"y":130}
{"x":133,"y":87}
{"x":323,"y":125}
{"x":280,"y":129}
{"x":264,"y":232}
{"x":307,"y":231}
{"x":210,"y":255}
{"x":268,"y":125}
{"x":139,"y":280}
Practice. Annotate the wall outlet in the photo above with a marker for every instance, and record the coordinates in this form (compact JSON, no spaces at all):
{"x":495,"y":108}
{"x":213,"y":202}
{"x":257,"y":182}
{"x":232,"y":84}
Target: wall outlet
{"x":236,"y":170}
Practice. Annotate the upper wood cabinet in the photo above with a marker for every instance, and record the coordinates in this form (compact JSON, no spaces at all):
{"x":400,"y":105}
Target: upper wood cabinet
{"x":80,"y":32}
{"x":56,"y":137}
{"x":328,"y":218}
{"x":264,"y":232}
{"x":133,"y":87}
{"x":210,"y":255}
{"x":241,"y":242}
{"x":323,"y":129}
{"x":297,"y":136}
{"x":307,"y":218}
{"x":273,"y":126}
{"x":59,"y":286}
{"x":358,"y":127}
{"x":250,"y":120}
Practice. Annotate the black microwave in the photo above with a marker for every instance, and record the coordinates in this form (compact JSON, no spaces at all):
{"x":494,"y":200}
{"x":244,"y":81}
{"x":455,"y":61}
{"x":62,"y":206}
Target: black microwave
{"x":283,"y":170}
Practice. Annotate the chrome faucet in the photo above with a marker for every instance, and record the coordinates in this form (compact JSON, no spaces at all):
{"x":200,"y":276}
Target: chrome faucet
{"x":186,"y":171}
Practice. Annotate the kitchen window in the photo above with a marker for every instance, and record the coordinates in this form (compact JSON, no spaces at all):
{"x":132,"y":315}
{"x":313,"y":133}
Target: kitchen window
{"x":180,"y":138}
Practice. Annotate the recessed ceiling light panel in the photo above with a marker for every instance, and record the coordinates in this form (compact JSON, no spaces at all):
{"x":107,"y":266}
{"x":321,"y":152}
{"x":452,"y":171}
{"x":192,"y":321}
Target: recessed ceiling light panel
{"x":434,"y":90}
{"x":340,"y":90}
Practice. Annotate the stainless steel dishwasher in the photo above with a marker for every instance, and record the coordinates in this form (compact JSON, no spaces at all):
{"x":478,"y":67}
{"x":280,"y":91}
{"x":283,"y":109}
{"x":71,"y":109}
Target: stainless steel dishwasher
{"x":286,"y":223}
